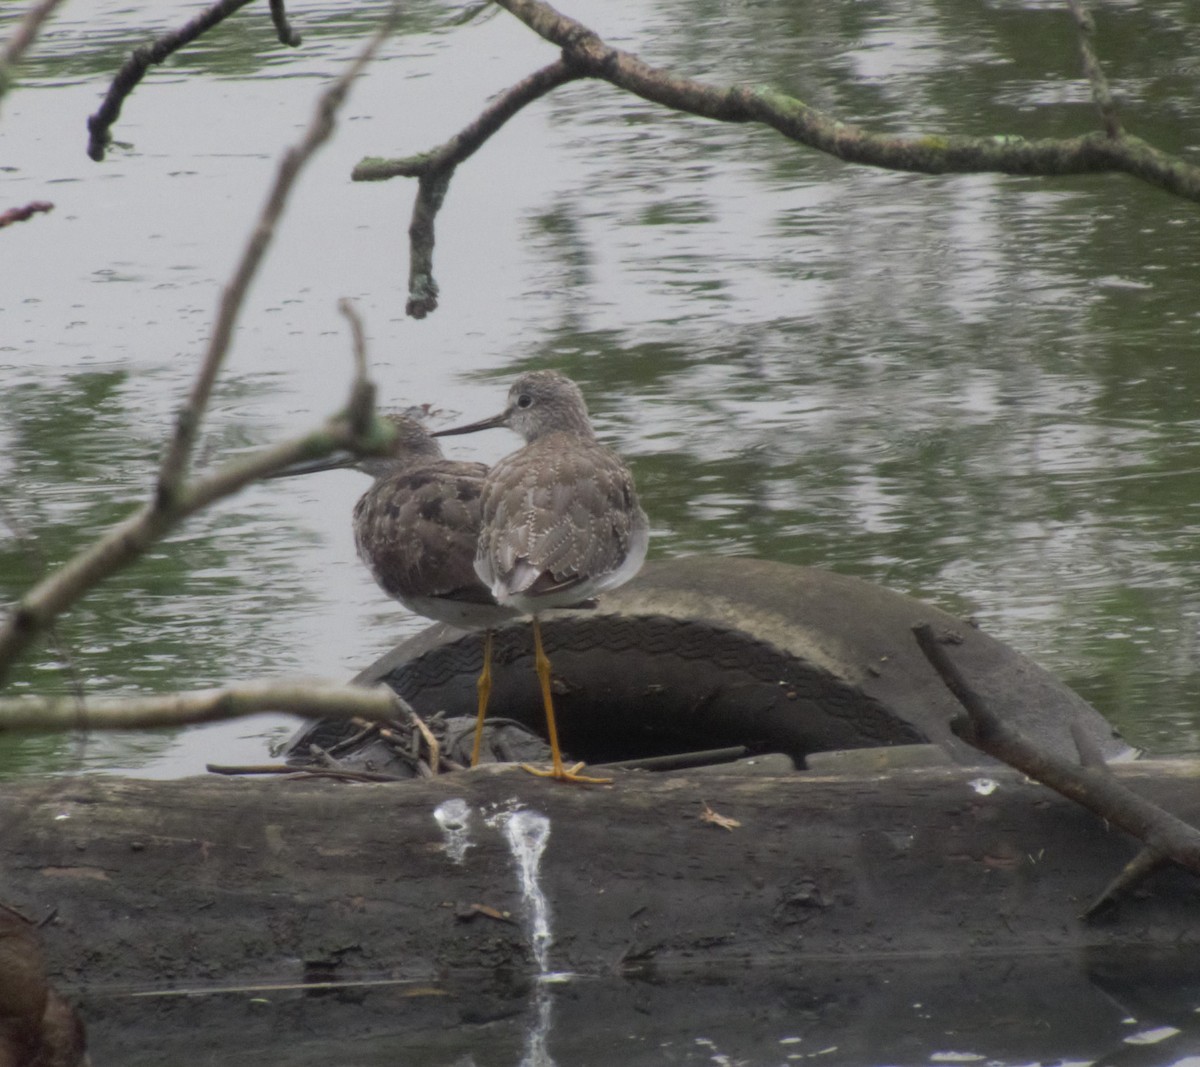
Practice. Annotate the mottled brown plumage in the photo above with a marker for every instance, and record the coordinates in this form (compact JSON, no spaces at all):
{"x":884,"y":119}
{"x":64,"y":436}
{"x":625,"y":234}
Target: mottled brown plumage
{"x":560,"y":517}
{"x":417,"y":527}
{"x":558,"y":523}
{"x":417,"y":530}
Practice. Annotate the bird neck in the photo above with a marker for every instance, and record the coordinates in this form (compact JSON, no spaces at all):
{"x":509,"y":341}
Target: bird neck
{"x":572,"y":423}
{"x":379,"y":467}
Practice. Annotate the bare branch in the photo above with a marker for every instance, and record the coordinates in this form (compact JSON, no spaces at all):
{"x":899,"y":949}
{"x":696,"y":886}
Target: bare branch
{"x":312,"y":699}
{"x":140,"y":60}
{"x":586,"y":55}
{"x":358,"y":335}
{"x":25,"y":34}
{"x":435,"y":169}
{"x":283,"y":28}
{"x":173,"y":501}
{"x":361,"y":408}
{"x":303,"y":772}
{"x":130,"y":539}
{"x":927,"y":154}
{"x":472,"y":137}
{"x":1094,"y":788}
{"x":320,"y":128}
{"x":1091,"y":67}
{"x":27,"y":211}
{"x":338,"y":434}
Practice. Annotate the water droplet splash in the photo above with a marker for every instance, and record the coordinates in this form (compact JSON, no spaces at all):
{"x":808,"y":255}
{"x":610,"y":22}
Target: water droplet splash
{"x":527,"y":833}
{"x":454,"y":817}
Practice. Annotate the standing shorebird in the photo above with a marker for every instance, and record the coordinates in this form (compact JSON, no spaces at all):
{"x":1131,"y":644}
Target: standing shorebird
{"x":561,"y":520}
{"x":417,"y":529}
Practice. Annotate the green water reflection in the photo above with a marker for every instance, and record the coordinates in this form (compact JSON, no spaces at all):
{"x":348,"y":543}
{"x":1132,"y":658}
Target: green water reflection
{"x":977,"y":390}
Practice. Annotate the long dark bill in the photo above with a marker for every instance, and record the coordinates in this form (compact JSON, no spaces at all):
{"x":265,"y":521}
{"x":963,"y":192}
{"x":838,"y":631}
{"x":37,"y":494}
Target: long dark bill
{"x":483,"y":424}
{"x":334,"y":461}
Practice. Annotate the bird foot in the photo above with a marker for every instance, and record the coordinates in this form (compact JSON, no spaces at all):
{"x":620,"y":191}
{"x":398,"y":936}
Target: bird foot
{"x":566,"y":774}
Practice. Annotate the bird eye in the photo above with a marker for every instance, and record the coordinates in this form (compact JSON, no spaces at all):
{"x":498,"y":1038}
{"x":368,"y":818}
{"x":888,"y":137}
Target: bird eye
{"x":524,"y":400}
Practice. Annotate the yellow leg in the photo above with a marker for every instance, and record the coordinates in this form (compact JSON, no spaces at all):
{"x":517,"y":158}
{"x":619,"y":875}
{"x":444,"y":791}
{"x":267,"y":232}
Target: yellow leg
{"x":484,"y":685}
{"x":557,"y":770}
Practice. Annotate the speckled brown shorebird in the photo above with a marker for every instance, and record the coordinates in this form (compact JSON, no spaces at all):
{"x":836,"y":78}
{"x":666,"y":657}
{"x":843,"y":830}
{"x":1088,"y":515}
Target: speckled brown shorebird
{"x":417,"y":530}
{"x":560,"y":518}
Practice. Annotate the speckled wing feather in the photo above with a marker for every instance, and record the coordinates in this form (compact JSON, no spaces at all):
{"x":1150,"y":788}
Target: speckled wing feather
{"x":557,"y":514}
{"x":417,"y":531}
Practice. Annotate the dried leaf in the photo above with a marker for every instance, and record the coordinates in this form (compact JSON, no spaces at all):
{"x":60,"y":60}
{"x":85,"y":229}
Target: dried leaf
{"x":710,"y":816}
{"x":473,"y":911}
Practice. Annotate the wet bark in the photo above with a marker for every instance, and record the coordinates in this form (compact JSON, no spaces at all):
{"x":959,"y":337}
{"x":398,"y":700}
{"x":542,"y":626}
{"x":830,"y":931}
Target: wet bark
{"x":161,"y":883}
{"x":250,"y":886}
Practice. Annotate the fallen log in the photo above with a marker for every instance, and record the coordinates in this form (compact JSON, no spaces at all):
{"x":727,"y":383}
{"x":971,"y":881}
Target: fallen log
{"x":201,"y":884}
{"x":229,"y":920}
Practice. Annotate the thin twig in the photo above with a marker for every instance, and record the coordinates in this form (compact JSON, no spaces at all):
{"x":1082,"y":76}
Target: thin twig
{"x":323,"y":758}
{"x":24,"y":212}
{"x":435,"y":169}
{"x":311,"y":699}
{"x":1101,"y":93}
{"x":286,"y":770}
{"x":24,"y":35}
{"x":361,"y":409}
{"x":435,"y":750}
{"x":283,"y":28}
{"x":1095,"y":789}
{"x":366,"y":729}
{"x":321,"y":127}
{"x":679,"y":761}
{"x":347,"y":776}
{"x":140,"y":60}
{"x":173,"y":501}
{"x":1135,"y":871}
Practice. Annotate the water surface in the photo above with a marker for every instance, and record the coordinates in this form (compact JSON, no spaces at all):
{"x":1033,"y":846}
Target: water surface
{"x":977,"y":390}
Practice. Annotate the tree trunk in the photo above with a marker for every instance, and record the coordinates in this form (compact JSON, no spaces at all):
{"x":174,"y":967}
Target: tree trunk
{"x":205,"y":883}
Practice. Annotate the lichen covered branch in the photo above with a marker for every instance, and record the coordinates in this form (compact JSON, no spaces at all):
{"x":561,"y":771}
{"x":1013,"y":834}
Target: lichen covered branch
{"x":1101,"y":93}
{"x":1109,"y":150}
{"x":586,"y":55}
